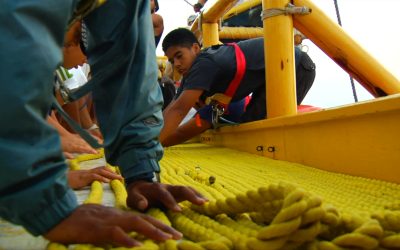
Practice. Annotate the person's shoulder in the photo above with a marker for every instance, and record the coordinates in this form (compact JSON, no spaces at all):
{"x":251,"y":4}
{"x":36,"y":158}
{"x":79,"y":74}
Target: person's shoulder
{"x":157,"y":18}
{"x":253,"y":43}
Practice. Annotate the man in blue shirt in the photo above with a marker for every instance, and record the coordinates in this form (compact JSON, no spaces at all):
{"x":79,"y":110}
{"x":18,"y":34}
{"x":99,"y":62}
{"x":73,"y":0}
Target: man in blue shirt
{"x":33,"y":185}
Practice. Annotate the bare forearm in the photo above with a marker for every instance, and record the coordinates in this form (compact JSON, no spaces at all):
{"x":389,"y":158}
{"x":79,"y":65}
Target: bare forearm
{"x":172,"y":118}
{"x":186,"y":132}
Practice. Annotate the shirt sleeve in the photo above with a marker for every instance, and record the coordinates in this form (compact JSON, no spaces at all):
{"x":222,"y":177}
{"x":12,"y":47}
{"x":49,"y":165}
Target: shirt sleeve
{"x":201,"y":75}
{"x":127,"y":96}
{"x":33,"y":186}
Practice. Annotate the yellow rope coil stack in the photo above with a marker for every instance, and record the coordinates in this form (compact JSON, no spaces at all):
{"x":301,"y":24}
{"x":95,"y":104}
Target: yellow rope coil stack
{"x":257,"y":203}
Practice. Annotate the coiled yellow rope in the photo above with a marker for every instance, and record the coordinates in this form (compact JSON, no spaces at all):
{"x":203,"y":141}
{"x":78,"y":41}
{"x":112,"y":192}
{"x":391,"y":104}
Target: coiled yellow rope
{"x":251,"y":208}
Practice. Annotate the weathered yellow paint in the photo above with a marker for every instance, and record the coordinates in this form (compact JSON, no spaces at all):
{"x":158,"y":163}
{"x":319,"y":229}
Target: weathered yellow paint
{"x":361,"y":139}
{"x":349,"y":55}
{"x":240,"y":32}
{"x":280,"y":70}
{"x":240,"y":8}
{"x":210,"y":34}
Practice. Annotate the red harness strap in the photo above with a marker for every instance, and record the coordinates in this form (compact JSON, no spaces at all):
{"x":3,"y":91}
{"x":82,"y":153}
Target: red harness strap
{"x":233,"y":85}
{"x":240,"y":70}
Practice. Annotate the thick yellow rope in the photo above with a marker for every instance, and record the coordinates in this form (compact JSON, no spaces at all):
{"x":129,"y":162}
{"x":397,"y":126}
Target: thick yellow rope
{"x":250,"y":208}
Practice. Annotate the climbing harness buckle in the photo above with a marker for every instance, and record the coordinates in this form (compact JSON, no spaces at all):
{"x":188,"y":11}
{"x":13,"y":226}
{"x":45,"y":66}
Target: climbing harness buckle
{"x":217,"y":111}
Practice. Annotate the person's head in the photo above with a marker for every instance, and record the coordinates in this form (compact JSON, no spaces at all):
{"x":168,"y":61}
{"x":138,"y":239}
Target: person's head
{"x":181,"y":47}
{"x":72,"y":52}
{"x":154,"y":6}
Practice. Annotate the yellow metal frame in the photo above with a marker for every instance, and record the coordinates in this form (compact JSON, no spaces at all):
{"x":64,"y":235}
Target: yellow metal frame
{"x":360,"y":139}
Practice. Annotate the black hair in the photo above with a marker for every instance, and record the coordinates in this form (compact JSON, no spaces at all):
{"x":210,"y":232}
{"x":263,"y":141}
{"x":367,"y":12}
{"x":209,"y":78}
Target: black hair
{"x":179,"y":37}
{"x":157,"y":7}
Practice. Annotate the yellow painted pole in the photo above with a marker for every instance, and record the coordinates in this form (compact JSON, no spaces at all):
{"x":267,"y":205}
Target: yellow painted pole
{"x":349,"y":55}
{"x":279,"y":61}
{"x":210,"y":34}
{"x":240,"y":32}
{"x":211,"y":15}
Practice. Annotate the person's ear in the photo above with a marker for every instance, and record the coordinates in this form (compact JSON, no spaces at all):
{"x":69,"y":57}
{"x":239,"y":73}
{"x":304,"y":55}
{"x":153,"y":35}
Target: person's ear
{"x":196,"y":48}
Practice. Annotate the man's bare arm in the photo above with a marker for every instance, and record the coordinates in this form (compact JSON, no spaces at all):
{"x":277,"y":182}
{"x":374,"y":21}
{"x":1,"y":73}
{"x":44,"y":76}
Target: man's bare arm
{"x":177,"y":110}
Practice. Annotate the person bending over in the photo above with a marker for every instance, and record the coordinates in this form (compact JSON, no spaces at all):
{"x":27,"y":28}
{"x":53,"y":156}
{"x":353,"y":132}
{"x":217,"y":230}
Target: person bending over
{"x":210,"y":71}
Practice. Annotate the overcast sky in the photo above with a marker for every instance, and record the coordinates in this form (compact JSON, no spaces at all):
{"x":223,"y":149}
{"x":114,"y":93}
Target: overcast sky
{"x":374,"y":24}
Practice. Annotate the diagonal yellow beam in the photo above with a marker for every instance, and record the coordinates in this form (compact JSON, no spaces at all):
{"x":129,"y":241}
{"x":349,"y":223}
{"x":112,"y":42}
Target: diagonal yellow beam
{"x":347,"y":53}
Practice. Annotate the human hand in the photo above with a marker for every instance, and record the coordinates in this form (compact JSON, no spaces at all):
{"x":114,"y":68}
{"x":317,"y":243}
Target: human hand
{"x":100,"y":225}
{"x":68,"y":155}
{"x":80,"y":178}
{"x":72,"y":143}
{"x":143,"y":194}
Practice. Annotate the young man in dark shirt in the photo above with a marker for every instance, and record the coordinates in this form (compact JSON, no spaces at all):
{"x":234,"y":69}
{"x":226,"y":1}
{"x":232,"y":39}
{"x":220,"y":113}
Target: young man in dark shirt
{"x":210,"y":71}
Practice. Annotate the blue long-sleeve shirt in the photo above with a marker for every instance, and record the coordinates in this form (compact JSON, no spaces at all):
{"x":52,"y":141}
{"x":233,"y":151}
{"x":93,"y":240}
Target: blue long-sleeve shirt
{"x":33,"y":185}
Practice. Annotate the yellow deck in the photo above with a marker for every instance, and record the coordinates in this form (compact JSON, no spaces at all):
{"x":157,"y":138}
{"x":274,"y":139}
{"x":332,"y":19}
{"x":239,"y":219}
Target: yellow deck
{"x":239,"y":171}
{"x":332,"y":210}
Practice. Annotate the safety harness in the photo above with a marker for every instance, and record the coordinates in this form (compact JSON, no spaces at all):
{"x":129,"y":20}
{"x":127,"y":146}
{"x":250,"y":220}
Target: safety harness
{"x":219,"y":101}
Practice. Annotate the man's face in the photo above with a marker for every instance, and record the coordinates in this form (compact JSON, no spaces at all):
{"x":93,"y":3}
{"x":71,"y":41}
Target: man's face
{"x":182,"y":57}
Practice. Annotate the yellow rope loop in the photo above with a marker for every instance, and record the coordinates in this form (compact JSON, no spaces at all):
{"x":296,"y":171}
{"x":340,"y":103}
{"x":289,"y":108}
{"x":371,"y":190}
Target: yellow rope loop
{"x":231,"y":238}
{"x":256,"y":244}
{"x":284,"y":228}
{"x":251,"y":201}
{"x":331,"y":217}
{"x":112,"y":168}
{"x":390,"y":220}
{"x":233,"y":206}
{"x":310,"y":226}
{"x":356,"y":240}
{"x":96,"y":193}
{"x":272,"y":192}
{"x":245,"y":220}
{"x":189,"y":245}
{"x":120,"y":194}
{"x":88,"y":157}
{"x":323,"y":245}
{"x":191,"y":229}
{"x":56,"y":246}
{"x":214,"y":245}
{"x":74,"y":165}
{"x":312,"y":215}
{"x":281,"y":229}
{"x":371,"y":228}
{"x":306,"y":234}
{"x":160,"y":215}
{"x":235,"y":225}
{"x":169,"y":245}
{"x":351,"y":222}
{"x":391,"y":241}
{"x":291,"y":208}
{"x":363,"y":233}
